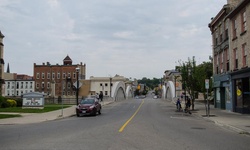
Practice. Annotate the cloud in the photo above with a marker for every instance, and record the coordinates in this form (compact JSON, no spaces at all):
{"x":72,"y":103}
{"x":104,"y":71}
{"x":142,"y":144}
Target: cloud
{"x":131,"y":38}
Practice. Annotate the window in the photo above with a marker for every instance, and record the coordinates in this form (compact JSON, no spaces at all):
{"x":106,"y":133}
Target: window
{"x":106,"y":92}
{"x":234,"y":23}
{"x":26,"y":85}
{"x":74,"y":75}
{"x":17,"y":85}
{"x":106,"y":84}
{"x":226,"y":30}
{"x":216,"y":37}
{"x":8,"y":85}
{"x":43,"y":85}
{"x":13,"y":85}
{"x":53,"y":75}
{"x":244,"y":55}
{"x":21,"y":85}
{"x":227,"y":59}
{"x":221,"y":38}
{"x":221,"y":63}
{"x":243,"y":22}
{"x":48,"y":75}
{"x":48,"y":85}
{"x":37,"y":85}
{"x":37,"y":75}
{"x":58,"y":75}
{"x":235,"y":59}
{"x":43,"y":76}
{"x":64,"y":75}
{"x":68,"y":85}
{"x":31,"y":85}
{"x":100,"y":84}
{"x":69,"y":75}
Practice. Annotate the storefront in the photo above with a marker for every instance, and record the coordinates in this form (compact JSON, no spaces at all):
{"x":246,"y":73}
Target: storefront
{"x":222,"y":94}
{"x":241,"y":90}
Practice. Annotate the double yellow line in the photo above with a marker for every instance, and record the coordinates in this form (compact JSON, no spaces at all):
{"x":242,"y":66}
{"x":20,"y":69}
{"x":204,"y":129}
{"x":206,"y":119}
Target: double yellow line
{"x":127,"y":122}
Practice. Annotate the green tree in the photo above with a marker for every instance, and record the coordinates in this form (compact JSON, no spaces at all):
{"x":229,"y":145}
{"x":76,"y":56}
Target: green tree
{"x":193,"y":77}
{"x":190,"y":78}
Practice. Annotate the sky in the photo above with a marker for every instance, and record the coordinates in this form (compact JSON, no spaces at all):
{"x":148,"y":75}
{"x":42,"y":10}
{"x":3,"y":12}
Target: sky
{"x":131,"y":38}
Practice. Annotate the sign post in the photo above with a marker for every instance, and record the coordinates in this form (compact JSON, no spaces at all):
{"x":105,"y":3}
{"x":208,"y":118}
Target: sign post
{"x":207,"y":87}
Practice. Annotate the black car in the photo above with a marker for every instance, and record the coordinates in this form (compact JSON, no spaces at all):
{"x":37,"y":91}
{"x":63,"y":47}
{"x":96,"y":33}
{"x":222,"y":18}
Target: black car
{"x":88,"y":106}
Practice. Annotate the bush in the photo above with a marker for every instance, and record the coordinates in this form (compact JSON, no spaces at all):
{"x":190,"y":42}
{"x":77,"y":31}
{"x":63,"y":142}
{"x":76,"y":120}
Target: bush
{"x":11,"y":103}
{"x":19,"y":102}
{"x":3,"y":102}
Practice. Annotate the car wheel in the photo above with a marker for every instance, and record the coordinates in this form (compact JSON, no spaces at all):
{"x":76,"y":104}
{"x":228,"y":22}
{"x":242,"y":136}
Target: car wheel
{"x":94,"y":113}
{"x":99,"y":112}
{"x":77,"y":114}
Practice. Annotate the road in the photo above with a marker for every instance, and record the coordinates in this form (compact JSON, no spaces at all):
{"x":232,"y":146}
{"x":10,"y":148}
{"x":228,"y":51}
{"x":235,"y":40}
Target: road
{"x":138,"y":124}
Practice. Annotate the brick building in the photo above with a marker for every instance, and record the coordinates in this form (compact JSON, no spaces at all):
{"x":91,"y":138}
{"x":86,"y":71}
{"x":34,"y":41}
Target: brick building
{"x":58,"y":80}
{"x":231,"y":56}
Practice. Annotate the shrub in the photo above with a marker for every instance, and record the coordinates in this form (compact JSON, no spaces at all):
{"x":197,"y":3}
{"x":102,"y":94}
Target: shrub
{"x":3,"y":102}
{"x":19,"y":102}
{"x":11,"y":103}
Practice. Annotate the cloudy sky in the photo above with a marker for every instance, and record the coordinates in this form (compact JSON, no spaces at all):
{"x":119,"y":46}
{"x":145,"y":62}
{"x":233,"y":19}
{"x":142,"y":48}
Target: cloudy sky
{"x":132,"y":38}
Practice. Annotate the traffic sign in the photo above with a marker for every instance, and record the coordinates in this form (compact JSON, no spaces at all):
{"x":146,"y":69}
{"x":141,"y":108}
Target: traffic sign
{"x":207,"y":83}
{"x":79,"y":85}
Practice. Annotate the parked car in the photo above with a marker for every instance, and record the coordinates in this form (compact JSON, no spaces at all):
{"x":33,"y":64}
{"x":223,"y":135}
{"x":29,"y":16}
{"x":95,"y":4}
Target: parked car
{"x":88,"y":106}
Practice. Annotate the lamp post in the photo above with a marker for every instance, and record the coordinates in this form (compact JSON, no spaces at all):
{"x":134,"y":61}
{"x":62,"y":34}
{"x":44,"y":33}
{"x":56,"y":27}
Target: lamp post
{"x":77,"y":84}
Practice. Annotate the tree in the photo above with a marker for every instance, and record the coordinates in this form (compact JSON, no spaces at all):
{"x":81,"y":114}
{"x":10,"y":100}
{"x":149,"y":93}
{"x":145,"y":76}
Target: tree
{"x":193,"y":77}
{"x":189,"y":78}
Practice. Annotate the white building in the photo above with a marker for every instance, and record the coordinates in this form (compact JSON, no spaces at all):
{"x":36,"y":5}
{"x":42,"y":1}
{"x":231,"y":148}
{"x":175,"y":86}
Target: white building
{"x":17,"y":85}
{"x":104,"y":84}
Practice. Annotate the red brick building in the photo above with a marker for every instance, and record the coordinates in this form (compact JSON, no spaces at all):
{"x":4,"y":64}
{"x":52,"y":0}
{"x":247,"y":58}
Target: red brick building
{"x":58,"y":80}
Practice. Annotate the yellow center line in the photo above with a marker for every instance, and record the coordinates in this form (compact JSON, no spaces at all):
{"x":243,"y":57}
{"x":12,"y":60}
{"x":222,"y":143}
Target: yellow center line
{"x":122,"y":128}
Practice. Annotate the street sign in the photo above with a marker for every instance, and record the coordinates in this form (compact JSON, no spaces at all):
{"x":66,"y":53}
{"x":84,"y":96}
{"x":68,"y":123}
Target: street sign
{"x":207,"y":83}
{"x":79,"y":85}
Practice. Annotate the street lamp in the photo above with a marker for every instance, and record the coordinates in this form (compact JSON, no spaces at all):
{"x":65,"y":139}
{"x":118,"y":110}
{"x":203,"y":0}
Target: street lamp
{"x":77,"y":84}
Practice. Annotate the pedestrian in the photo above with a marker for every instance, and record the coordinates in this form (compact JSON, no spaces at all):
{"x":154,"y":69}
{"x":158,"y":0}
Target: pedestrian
{"x":101,"y":96}
{"x":178,"y":104}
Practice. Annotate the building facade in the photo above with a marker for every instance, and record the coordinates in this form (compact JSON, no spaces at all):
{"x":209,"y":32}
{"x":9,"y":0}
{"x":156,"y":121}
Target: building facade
{"x":17,"y":85}
{"x":1,"y":62}
{"x":104,"y":84}
{"x":58,"y":80}
{"x":231,"y":56}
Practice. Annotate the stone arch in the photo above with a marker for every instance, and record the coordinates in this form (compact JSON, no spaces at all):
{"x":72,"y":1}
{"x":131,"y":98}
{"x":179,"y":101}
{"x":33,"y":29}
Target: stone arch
{"x":118,"y":91}
{"x":129,"y":92}
{"x":168,"y":91}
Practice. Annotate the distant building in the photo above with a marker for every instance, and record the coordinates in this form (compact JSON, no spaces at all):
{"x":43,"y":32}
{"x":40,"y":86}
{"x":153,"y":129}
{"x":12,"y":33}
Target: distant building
{"x":58,"y":80}
{"x":104,"y":84}
{"x":17,"y":84}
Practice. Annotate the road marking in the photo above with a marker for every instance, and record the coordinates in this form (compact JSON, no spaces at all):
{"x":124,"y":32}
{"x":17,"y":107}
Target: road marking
{"x":122,"y":128}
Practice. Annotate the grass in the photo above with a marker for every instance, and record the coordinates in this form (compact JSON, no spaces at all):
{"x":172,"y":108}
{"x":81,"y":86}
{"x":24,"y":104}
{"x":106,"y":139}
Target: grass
{"x":3,"y":116}
{"x":47,"y":108}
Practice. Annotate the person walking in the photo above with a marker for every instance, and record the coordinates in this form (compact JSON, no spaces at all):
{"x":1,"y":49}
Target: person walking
{"x":178,"y":104}
{"x":101,"y":96}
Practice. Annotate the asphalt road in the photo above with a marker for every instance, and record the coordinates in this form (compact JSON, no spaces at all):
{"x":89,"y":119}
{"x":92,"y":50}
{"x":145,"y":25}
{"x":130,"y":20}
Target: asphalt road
{"x":138,"y":124}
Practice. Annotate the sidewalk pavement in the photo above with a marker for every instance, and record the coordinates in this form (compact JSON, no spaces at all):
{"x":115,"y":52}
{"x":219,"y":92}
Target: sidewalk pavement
{"x":41,"y":117}
{"x":237,"y":122}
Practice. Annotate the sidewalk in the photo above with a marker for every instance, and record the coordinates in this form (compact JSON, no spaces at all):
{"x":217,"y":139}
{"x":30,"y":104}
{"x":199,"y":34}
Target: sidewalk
{"x":234,"y":121}
{"x":41,"y":117}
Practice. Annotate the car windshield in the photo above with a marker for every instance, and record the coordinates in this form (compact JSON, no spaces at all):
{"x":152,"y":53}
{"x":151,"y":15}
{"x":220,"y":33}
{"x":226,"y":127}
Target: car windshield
{"x":88,"y":101}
